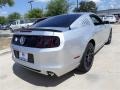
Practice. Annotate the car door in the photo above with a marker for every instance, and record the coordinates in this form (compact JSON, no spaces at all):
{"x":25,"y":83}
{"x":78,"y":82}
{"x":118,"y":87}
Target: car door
{"x":13,"y":25}
{"x":18,"y":24}
{"x":99,"y":31}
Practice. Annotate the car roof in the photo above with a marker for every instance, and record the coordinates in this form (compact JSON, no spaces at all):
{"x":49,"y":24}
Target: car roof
{"x":80,"y":13}
{"x":83,"y":13}
{"x":109,"y":15}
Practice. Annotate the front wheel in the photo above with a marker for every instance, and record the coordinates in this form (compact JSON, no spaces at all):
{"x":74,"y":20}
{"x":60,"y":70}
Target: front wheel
{"x":87,"y":59}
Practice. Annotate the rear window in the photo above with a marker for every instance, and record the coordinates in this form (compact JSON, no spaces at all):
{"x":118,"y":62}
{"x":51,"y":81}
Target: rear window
{"x":109,"y":16}
{"x":58,"y":21}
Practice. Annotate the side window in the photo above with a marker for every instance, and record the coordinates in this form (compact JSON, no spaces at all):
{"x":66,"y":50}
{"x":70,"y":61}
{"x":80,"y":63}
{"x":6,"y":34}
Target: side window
{"x":96,"y":20}
{"x":21,"y":22}
{"x":85,"y":22}
{"x":14,"y":23}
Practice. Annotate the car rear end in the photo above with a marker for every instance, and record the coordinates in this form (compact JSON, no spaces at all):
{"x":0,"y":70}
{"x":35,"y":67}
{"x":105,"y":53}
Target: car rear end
{"x":45,"y":47}
{"x":40,"y":51}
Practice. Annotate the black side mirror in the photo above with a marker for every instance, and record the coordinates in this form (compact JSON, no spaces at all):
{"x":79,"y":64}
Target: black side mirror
{"x":106,"y":22}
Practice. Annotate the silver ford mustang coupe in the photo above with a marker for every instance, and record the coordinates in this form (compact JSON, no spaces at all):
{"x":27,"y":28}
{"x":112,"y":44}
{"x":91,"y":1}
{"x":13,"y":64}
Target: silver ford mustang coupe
{"x":60,"y":44}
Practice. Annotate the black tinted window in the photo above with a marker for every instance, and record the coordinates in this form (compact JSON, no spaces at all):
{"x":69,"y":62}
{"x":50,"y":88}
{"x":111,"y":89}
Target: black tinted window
{"x":39,"y":20}
{"x":21,"y":22}
{"x":96,"y":20}
{"x":58,"y":21}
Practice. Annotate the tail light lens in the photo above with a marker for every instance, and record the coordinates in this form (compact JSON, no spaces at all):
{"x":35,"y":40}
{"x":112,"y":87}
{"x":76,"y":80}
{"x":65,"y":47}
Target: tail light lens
{"x":37,"y":41}
{"x":48,"y":42}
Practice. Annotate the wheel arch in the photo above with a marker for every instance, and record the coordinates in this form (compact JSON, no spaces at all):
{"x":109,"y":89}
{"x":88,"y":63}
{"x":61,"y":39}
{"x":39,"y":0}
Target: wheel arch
{"x":92,"y":41}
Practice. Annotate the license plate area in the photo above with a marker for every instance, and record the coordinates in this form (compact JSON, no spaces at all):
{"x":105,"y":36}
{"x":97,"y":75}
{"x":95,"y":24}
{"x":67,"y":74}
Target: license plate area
{"x":23,"y":56}
{"x":28,"y":57}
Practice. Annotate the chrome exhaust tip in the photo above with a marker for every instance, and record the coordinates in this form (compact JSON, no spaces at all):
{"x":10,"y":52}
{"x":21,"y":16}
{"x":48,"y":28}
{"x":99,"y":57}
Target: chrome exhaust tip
{"x":50,"y":73}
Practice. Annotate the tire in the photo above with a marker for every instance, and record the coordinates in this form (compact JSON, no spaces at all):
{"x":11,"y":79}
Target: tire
{"x":22,"y":27}
{"x":109,"y":38}
{"x":87,"y":59}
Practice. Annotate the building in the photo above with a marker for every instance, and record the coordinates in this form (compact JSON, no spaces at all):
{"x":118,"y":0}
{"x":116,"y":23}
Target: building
{"x":115,"y":12}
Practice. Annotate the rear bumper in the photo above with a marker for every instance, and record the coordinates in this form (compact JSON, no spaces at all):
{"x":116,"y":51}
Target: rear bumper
{"x":46,"y":60}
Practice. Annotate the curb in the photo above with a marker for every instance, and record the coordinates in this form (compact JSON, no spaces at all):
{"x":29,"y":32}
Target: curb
{"x":2,"y":52}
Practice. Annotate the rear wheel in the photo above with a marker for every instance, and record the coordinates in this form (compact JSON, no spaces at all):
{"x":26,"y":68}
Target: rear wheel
{"x":87,"y":59}
{"x":109,"y":38}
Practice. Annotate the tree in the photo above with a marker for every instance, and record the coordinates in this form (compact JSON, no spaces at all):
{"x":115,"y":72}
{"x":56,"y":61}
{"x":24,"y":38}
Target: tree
{"x":14,"y":16}
{"x":57,"y":7}
{"x":34,"y":13}
{"x":8,"y":2}
{"x":86,"y":6}
{"x":3,"y":20}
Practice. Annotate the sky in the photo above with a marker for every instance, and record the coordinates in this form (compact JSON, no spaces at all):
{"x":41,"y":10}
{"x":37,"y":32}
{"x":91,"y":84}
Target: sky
{"x":22,"y":6}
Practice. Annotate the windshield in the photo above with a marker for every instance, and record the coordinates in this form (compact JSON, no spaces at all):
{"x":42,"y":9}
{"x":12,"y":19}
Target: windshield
{"x":58,"y":21}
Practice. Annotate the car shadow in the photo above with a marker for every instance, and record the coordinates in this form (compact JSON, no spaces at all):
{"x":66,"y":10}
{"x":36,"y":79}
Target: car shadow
{"x":39,"y":79}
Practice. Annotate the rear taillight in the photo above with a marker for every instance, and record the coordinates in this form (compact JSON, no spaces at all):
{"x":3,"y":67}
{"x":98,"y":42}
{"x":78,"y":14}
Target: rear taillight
{"x":48,"y":42}
{"x":36,"y":41}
